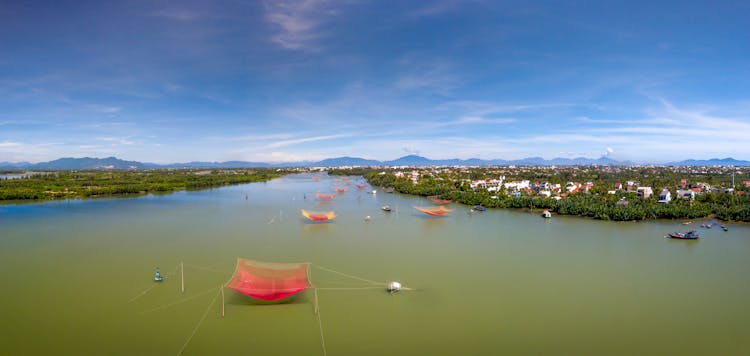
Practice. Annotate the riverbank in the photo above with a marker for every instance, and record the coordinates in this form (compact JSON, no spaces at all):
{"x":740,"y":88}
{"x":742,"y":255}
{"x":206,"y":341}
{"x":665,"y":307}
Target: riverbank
{"x":93,"y":184}
{"x":724,"y":207}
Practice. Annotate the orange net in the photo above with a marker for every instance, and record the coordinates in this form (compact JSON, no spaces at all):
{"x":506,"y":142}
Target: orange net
{"x":324,"y":197}
{"x":436,"y":199}
{"x":269,"y":281}
{"x":318,"y":216}
{"x":434,"y":210}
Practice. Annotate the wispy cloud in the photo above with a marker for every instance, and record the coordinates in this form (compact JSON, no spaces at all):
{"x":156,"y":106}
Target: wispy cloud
{"x":299,"y":22}
{"x":7,"y":144}
{"x":283,"y":143}
{"x":117,"y":140}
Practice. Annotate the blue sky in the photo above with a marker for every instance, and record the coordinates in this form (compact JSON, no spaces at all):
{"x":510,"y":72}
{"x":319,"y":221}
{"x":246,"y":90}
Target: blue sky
{"x":176,"y":81}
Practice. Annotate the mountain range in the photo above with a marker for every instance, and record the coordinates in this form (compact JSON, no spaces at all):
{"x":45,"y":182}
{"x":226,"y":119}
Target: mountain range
{"x":410,"y":160}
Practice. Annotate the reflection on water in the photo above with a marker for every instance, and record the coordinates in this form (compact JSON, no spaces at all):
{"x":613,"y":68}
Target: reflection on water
{"x":498,"y":282}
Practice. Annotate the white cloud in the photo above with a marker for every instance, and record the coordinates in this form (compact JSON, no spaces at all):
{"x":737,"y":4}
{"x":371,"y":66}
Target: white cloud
{"x":299,"y":22}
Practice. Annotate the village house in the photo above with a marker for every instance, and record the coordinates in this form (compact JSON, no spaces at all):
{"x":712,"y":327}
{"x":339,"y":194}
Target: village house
{"x":644,"y":192}
{"x":665,"y":196}
{"x":685,"y":194}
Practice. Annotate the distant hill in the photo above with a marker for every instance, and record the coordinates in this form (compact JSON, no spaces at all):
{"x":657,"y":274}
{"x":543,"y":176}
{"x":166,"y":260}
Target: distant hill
{"x":710,"y":162}
{"x":346,"y":161}
{"x":88,"y":163}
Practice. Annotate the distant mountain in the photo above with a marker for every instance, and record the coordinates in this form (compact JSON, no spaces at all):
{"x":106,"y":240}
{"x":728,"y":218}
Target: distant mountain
{"x":346,"y":161}
{"x":87,"y":163}
{"x":710,"y":162}
{"x":227,"y":164}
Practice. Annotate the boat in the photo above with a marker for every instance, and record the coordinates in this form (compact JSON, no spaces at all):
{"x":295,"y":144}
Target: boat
{"x":724,"y":227}
{"x":386,"y":208}
{"x":690,"y":235}
{"x":546,"y":214}
{"x":478,"y":208}
{"x":157,"y":276}
{"x":389,"y":189}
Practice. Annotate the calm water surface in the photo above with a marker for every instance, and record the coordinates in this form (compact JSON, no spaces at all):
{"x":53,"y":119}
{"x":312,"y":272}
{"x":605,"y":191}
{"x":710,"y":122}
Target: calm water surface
{"x":501,"y":282}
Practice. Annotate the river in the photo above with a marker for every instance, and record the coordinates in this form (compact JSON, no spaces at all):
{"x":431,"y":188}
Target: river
{"x":77,"y":278}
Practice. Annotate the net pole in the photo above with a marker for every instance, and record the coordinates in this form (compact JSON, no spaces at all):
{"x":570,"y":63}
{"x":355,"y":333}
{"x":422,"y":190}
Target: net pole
{"x":222,"y":301}
{"x":182,"y":276}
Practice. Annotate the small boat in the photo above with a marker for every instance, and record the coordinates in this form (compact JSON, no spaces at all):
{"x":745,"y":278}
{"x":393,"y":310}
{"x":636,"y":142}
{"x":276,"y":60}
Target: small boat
{"x":157,"y":276}
{"x":546,"y":214}
{"x":690,"y":235}
{"x":478,"y":208}
{"x":724,"y":227}
{"x":386,"y":208}
{"x":373,"y":192}
{"x":389,"y":189}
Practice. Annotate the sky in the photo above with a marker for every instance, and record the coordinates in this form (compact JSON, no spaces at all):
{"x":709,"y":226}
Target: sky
{"x":280,"y":81}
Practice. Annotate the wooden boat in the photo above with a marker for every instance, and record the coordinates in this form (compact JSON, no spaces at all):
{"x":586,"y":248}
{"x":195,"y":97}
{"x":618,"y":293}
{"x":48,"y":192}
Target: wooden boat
{"x":690,"y":235}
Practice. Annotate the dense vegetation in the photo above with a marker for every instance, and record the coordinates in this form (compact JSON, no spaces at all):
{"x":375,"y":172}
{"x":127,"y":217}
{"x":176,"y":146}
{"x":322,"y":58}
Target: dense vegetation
{"x":84,"y":184}
{"x":597,"y":203}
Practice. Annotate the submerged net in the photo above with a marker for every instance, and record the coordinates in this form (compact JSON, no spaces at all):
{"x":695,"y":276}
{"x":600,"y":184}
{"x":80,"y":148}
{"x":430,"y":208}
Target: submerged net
{"x":269,"y":281}
{"x":324,"y":197}
{"x":318,"y":216}
{"x":436,"y":199}
{"x":434,"y":210}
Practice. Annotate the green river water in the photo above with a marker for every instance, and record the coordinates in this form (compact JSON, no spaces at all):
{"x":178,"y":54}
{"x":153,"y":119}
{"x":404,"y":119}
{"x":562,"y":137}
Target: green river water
{"x":73,"y":276}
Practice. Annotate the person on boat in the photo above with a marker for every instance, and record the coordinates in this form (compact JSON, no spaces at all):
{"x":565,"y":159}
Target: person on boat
{"x":157,"y":276}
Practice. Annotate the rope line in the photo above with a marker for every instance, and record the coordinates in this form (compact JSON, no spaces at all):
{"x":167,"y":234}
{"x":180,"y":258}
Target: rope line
{"x":203,"y":318}
{"x":348,"y":288}
{"x":350,"y":276}
{"x":152,"y":287}
{"x":206,"y":268}
{"x":177,"y":302}
{"x":320,"y":324}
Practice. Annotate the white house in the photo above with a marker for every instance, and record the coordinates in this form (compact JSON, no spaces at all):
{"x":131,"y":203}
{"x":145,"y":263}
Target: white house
{"x":665,"y":196}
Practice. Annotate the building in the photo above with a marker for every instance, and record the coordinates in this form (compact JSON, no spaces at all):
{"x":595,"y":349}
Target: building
{"x":644,"y":192}
{"x":685,"y":194}
{"x":665,"y":196}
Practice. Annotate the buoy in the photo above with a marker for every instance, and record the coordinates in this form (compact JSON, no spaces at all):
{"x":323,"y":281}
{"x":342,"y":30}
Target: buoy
{"x":393,"y":287}
{"x":157,"y":276}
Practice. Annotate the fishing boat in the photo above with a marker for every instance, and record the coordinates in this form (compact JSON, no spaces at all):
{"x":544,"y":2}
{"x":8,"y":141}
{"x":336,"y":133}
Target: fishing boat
{"x":386,"y":208}
{"x":157,"y":276}
{"x":690,"y":235}
{"x":546,"y":214}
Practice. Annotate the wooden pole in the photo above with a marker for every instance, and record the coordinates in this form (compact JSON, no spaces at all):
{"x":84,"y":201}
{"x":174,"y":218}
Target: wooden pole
{"x":222,"y":301}
{"x":182,"y":276}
